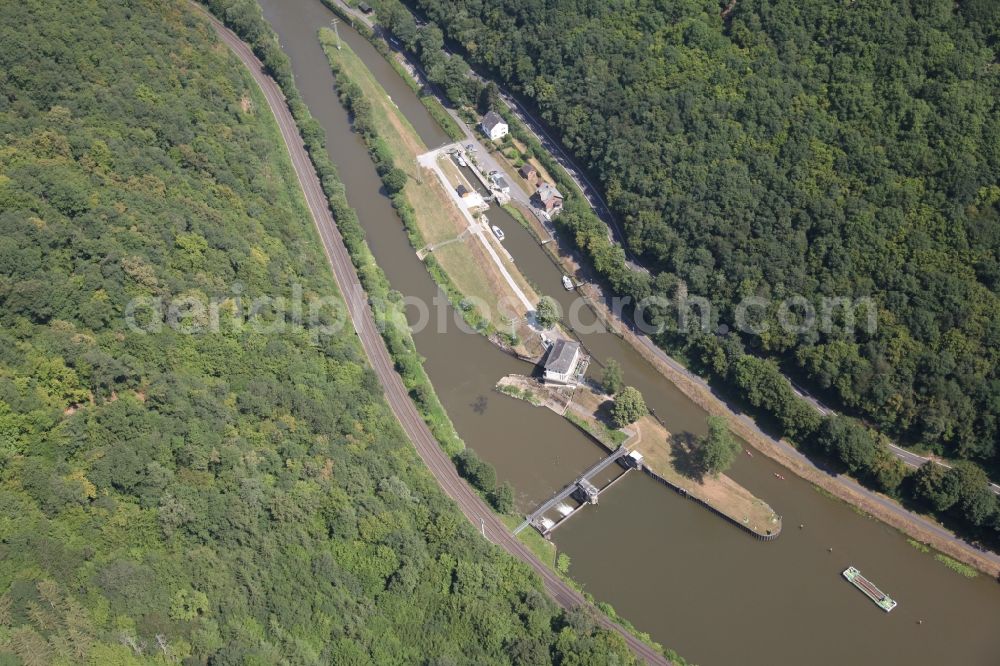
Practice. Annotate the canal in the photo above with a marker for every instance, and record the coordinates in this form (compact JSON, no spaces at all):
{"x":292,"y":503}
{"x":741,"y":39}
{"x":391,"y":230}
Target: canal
{"x":694,"y":582}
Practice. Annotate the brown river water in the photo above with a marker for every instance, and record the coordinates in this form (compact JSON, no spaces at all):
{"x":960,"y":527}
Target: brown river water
{"x":693,"y":581}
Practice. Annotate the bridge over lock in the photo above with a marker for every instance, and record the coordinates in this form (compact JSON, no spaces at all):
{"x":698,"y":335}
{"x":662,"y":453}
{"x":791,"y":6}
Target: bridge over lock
{"x":582,"y":488}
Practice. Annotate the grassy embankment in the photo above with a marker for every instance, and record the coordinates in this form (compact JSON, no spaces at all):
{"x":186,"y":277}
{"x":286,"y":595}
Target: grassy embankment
{"x":456,"y":259}
{"x":543,"y":549}
{"x":398,"y":340}
{"x":426,"y":97}
{"x":588,"y":226}
{"x":397,"y":337}
{"x":667,"y":456}
{"x":953,"y":564}
{"x":558,"y":562}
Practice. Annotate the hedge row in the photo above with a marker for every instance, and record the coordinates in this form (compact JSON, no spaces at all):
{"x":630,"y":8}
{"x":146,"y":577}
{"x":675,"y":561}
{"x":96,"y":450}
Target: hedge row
{"x":245,"y":19}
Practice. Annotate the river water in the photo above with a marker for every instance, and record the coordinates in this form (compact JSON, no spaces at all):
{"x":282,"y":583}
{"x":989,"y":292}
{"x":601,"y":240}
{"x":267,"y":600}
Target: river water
{"x":693,"y":581}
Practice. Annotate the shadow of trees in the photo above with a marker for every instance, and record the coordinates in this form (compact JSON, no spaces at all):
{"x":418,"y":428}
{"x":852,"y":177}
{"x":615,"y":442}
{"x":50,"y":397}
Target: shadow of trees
{"x":684,"y":456}
{"x":603,"y":414}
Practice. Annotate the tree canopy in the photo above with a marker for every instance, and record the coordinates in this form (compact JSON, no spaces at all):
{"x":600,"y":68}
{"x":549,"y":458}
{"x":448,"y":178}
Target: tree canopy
{"x":547,"y":312}
{"x":629,"y":406}
{"x":795,"y":147}
{"x":841,"y":156}
{"x":717,"y":450}
{"x":230,"y":496}
{"x":613,"y":379}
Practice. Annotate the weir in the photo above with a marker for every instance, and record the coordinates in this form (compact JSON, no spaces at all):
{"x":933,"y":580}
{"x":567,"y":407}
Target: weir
{"x":508,"y":435}
{"x":582,"y":488}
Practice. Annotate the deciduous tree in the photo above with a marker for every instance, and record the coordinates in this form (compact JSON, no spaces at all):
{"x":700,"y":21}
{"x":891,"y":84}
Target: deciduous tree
{"x":629,"y":406}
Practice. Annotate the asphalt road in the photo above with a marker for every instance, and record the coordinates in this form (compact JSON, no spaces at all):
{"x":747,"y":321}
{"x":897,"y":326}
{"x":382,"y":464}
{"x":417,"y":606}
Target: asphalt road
{"x":601,"y":209}
{"x":888,"y":504}
{"x":399,"y":401}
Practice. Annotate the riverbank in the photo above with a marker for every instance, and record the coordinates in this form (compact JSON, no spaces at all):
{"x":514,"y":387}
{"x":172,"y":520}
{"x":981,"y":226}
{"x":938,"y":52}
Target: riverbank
{"x":795,"y":582}
{"x":666,"y":458}
{"x":847,"y":489}
{"x":351,"y":278}
{"x":460,"y":252}
{"x":876,"y":505}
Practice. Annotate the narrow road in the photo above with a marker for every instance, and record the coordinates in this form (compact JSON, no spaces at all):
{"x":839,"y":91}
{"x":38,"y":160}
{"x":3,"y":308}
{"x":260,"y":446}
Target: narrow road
{"x":535,"y":126}
{"x":789,"y":451}
{"x":429,"y":160}
{"x":601,"y":209}
{"x":399,"y":400}
{"x":907,"y":457}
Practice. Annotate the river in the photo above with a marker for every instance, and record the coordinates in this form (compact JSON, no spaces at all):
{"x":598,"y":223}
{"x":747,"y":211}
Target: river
{"x":694,"y":582}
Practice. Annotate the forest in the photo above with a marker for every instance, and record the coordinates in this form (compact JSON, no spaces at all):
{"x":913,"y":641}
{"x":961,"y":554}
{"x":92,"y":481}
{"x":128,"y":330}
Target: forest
{"x":782,"y":149}
{"x":228,"y":497}
{"x":775,"y":153}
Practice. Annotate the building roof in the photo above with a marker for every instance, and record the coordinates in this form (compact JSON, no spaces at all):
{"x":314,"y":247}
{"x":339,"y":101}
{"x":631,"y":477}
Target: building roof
{"x":491,"y":120}
{"x":502,"y":183}
{"x":562,"y":356}
{"x":527,"y":169}
{"x":462,"y":190}
{"x":546,"y":192}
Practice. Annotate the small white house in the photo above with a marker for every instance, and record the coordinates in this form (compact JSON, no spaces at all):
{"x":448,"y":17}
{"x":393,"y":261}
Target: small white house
{"x":494,"y":126}
{"x":634,"y":460}
{"x":561,"y":363}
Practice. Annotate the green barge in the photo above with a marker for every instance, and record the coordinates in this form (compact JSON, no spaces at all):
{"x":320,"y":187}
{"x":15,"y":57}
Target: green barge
{"x":878,"y":596}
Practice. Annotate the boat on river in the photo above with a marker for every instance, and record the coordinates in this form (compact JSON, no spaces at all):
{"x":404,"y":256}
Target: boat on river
{"x":498,"y":232}
{"x":881,"y":599}
{"x":567,"y":283}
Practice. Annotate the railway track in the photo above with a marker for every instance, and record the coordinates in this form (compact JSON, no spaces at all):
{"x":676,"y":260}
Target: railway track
{"x":371,"y":340}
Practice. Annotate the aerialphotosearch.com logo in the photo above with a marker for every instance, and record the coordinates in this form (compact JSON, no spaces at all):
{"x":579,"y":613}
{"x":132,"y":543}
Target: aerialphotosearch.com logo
{"x":194,"y":313}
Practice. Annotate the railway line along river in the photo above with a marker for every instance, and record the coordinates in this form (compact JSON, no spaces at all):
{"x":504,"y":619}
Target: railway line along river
{"x":693,"y":581}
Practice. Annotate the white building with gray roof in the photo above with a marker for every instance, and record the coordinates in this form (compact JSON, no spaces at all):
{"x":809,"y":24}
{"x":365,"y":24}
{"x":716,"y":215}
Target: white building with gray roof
{"x":494,"y":126}
{"x":562,"y":362}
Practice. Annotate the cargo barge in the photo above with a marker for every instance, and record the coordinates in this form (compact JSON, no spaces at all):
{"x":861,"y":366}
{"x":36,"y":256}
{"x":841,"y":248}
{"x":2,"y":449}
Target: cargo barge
{"x":878,"y":596}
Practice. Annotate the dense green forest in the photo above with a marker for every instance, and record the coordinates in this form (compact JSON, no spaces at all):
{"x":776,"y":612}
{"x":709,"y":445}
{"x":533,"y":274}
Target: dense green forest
{"x":813,"y":148}
{"x":227,"y":497}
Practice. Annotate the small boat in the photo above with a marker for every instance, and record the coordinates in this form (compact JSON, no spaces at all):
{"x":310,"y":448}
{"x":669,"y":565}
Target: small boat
{"x":779,"y":476}
{"x":567,"y":283}
{"x":461,"y":161}
{"x":748,"y":452}
{"x":498,"y":232}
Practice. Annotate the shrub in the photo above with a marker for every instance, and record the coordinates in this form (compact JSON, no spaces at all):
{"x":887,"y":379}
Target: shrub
{"x":394,"y":180}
